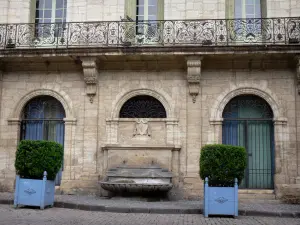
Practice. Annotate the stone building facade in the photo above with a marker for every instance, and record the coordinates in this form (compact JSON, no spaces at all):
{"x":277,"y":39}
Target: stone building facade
{"x":199,"y":61}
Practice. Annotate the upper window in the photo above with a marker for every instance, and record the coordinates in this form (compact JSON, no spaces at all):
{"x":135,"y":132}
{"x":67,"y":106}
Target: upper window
{"x":246,"y":9}
{"x":143,"y":106}
{"x":141,"y":10}
{"x":50,"y":11}
{"x":146,"y":10}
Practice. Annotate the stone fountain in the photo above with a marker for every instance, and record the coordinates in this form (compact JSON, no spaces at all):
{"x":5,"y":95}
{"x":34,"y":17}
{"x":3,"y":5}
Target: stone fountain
{"x":140,"y":180}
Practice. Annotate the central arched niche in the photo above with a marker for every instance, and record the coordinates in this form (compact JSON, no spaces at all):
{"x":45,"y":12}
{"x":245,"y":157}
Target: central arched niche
{"x":142,"y":134}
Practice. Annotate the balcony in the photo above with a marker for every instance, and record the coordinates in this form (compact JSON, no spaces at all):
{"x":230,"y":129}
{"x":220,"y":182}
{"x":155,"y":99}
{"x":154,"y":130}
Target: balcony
{"x":155,"y":34}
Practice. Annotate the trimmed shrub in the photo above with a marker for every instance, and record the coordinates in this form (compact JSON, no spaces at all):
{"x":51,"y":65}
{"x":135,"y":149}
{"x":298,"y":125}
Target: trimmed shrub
{"x":222,"y":163}
{"x":35,"y":157}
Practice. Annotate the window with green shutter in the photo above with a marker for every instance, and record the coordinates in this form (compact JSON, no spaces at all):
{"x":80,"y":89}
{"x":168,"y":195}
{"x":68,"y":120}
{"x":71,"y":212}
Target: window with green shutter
{"x":47,"y":12}
{"x":145,"y":16}
{"x":246,"y":9}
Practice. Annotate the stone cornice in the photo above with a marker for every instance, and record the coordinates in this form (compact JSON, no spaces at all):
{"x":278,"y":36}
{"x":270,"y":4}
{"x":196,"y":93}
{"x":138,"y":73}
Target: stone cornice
{"x":194,"y":75}
{"x":90,"y":73}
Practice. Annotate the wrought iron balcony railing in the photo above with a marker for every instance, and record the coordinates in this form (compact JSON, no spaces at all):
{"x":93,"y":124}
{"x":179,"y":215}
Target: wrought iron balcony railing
{"x":216,"y":32}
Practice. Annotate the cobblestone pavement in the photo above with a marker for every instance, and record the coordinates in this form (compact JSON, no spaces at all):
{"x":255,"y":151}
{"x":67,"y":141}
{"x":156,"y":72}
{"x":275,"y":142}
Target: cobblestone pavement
{"x":25,"y":216}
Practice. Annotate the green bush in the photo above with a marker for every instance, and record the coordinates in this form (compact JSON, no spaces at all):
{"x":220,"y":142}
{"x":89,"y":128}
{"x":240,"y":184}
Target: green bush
{"x":222,"y":163}
{"x":35,"y":157}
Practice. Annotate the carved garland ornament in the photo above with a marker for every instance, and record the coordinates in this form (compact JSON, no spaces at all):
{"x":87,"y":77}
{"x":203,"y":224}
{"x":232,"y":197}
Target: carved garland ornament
{"x":194,"y":75}
{"x":90,"y":73}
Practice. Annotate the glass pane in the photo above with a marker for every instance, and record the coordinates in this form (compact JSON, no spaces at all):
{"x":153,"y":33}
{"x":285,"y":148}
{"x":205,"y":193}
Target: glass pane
{"x":59,"y":4}
{"x":140,"y":18}
{"x":140,"y":10}
{"x":40,"y":4}
{"x":152,"y":17}
{"x":47,"y":13}
{"x":58,"y":13}
{"x":152,"y":10}
{"x":65,"y":3}
{"x":258,"y":9}
{"x":152,"y":2}
{"x":140,"y":2}
{"x":48,"y":4}
{"x":250,"y":10}
{"x":47,"y":20}
{"x":248,"y":2}
{"x":58,"y":20}
{"x":238,"y":11}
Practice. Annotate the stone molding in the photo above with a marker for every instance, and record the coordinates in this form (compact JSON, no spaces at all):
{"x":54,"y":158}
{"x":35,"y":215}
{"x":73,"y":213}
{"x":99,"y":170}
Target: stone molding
{"x":220,"y":103}
{"x":90,"y":75}
{"x":61,"y":96}
{"x":194,"y":75}
{"x":298,"y":72}
{"x":161,"y":96}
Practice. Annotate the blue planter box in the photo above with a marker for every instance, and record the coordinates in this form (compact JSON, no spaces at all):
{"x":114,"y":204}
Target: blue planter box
{"x":220,"y":200}
{"x":32,"y":192}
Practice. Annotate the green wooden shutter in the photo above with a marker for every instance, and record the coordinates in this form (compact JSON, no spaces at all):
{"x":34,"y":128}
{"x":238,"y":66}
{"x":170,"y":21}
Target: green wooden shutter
{"x":160,"y":9}
{"x":130,"y":9}
{"x":32,"y":11}
{"x":130,"y":27}
{"x":230,"y":9}
{"x":264,"y":12}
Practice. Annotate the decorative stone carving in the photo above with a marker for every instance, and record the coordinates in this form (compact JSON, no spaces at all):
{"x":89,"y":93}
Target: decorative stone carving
{"x":142,"y":129}
{"x":298,"y":73}
{"x":194,"y":75}
{"x":90,"y":72}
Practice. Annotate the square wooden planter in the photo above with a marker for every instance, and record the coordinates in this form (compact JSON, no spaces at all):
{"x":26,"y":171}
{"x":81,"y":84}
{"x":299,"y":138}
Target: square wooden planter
{"x":220,"y":200}
{"x":31,"y":192}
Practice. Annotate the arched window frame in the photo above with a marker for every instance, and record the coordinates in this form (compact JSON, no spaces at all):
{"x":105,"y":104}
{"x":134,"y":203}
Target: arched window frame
{"x":132,"y":107}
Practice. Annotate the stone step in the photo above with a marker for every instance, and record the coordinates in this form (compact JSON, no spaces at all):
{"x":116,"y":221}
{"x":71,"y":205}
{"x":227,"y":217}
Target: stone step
{"x":257,"y":196}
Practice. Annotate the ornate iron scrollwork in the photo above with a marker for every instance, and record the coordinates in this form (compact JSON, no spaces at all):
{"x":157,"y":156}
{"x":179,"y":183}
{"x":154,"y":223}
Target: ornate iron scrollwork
{"x":214,"y":32}
{"x":143,"y":106}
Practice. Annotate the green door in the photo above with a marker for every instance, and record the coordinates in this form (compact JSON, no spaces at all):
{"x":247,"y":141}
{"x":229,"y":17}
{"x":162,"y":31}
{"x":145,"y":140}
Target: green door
{"x":248,"y":122}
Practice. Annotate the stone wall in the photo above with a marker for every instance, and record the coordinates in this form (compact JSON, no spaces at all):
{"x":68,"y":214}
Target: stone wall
{"x":90,"y":126}
{"x":22,"y":11}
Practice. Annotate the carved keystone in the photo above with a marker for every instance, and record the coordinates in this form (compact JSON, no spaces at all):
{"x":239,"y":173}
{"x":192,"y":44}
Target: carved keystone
{"x":90,"y":73}
{"x":194,"y":75}
{"x":298,"y":73}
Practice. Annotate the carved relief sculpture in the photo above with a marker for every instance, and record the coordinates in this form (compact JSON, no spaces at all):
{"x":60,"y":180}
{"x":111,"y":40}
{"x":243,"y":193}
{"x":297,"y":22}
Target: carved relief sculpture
{"x":142,"y":129}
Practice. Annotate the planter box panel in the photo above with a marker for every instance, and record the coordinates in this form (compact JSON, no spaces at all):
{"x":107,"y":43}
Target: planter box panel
{"x":220,"y":200}
{"x":32,"y":192}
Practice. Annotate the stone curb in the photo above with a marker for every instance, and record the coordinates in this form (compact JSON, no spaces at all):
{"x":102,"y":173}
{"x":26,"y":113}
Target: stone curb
{"x":102,"y":208}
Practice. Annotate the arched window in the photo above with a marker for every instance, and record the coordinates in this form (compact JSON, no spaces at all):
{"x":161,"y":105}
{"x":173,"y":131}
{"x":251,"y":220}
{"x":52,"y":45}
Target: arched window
{"x":248,"y":122}
{"x":42,"y":119}
{"x":143,"y":106}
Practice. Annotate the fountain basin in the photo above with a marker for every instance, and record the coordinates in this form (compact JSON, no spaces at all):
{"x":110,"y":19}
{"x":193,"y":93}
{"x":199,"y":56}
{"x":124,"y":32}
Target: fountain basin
{"x":137,"y":179}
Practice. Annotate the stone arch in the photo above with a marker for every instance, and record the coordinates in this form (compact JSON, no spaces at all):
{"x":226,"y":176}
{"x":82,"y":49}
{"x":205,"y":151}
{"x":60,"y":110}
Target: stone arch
{"x":225,"y":97}
{"x":61,"y":96}
{"x":165,"y":100}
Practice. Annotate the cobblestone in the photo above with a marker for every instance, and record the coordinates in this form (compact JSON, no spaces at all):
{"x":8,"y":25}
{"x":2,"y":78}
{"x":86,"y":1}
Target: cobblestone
{"x":51,"y":216}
